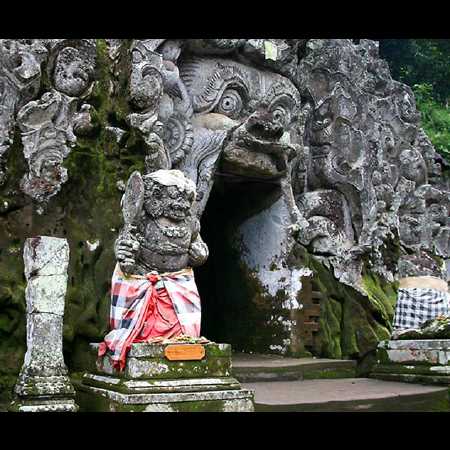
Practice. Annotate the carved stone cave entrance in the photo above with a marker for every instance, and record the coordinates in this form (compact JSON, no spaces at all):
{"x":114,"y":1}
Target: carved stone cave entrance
{"x":229,"y":311}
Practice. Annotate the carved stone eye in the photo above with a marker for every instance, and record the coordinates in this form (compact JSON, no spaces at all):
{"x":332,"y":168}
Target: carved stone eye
{"x":157,"y":193}
{"x":281,"y":115}
{"x":136,"y":57}
{"x":230,"y":104}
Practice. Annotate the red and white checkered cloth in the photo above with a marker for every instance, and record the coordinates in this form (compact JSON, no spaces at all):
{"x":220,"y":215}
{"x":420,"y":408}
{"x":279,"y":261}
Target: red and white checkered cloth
{"x":131,"y":298}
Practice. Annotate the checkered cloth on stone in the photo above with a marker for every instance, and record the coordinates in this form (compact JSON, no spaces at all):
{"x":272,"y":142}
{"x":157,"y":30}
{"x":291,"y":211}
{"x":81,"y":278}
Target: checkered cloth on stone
{"x":417,"y":305}
{"x":131,"y":296}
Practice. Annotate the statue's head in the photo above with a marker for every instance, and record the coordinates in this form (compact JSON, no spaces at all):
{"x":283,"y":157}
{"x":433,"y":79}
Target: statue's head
{"x":258,"y":108}
{"x":169,"y":194}
{"x":72,"y":65}
{"x":145,"y":85}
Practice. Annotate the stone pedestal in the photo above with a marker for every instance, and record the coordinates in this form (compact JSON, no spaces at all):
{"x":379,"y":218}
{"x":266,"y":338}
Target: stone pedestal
{"x":417,"y":361}
{"x":43,"y":383}
{"x":153,"y":383}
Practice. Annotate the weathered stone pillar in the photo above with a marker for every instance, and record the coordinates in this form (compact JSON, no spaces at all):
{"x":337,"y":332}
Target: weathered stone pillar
{"x":43,"y":383}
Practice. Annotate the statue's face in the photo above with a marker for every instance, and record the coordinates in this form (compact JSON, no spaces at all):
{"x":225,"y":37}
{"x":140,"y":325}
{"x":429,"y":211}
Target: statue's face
{"x":257,"y":107}
{"x":145,"y":80}
{"x":22,"y":60}
{"x":412,"y":166}
{"x":171,"y":202}
{"x":72,"y":72}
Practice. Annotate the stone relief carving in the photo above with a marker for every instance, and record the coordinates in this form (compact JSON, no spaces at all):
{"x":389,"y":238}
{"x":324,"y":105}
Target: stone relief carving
{"x":323,"y":117}
{"x":20,"y":76}
{"x":367,"y":144}
{"x":50,"y":124}
{"x":356,"y":180}
{"x":160,"y":233}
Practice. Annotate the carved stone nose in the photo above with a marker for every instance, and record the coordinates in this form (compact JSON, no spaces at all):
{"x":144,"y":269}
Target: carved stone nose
{"x":264,"y":127}
{"x":28,"y":68}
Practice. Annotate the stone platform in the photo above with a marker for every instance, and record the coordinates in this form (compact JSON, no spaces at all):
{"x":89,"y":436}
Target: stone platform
{"x":257,"y":367}
{"x":349,"y":394}
{"x":153,"y":383}
{"x":418,"y":361}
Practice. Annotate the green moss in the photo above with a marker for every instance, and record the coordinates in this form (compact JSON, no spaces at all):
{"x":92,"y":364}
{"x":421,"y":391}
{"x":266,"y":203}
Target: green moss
{"x":7,"y":383}
{"x":351,"y":324}
{"x":330,"y":329}
{"x":87,"y":208}
{"x":381,"y":295}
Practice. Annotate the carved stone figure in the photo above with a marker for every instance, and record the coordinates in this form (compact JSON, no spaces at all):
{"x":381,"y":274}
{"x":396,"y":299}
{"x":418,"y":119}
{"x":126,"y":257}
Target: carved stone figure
{"x":49,"y":124}
{"x":155,"y":305}
{"x":20,"y":73}
{"x":145,"y":91}
{"x":156,"y":250}
{"x":164,"y":235}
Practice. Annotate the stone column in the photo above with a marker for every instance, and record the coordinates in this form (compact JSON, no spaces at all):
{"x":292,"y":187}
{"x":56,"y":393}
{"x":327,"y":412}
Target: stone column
{"x":43,"y":383}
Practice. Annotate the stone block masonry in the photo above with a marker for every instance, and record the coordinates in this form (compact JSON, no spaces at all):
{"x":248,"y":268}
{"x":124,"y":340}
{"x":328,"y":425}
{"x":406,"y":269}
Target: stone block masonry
{"x":416,"y":360}
{"x":153,"y":383}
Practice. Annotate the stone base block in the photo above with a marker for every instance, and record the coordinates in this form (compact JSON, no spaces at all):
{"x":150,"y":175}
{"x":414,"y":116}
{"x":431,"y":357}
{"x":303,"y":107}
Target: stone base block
{"x":43,"y":394}
{"x":103,"y":400}
{"x":42,"y":386}
{"x":417,"y":361}
{"x":149,"y":361}
{"x":155,"y":386}
{"x":151,"y":382}
{"x":41,"y":405}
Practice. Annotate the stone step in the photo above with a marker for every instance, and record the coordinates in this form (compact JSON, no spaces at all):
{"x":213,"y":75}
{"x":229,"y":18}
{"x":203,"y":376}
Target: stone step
{"x":351,"y":394}
{"x":255,"y":367}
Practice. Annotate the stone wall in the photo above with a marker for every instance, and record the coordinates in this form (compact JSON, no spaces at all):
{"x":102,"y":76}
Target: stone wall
{"x":335,"y":149}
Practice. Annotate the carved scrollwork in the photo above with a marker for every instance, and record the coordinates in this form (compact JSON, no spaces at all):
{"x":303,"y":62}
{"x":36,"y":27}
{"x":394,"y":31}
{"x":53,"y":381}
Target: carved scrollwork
{"x":178,"y":137}
{"x":49,"y":124}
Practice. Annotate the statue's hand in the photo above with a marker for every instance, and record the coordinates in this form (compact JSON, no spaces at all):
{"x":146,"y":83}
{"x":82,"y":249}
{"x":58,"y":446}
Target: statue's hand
{"x":198,"y":253}
{"x":126,"y":249}
{"x":294,"y":230}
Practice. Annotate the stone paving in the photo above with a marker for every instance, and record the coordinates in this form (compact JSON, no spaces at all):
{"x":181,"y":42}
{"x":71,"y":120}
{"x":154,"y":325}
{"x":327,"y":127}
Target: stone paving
{"x":347,"y":394}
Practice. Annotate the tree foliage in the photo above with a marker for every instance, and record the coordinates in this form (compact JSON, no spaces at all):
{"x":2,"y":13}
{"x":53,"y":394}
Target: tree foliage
{"x":420,"y":61}
{"x":435,"y":118}
{"x":424,"y":64}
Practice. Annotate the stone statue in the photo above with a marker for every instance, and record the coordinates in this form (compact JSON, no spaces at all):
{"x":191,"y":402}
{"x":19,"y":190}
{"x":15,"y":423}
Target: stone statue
{"x":154,"y":344}
{"x":161,"y":233}
{"x":156,"y":250}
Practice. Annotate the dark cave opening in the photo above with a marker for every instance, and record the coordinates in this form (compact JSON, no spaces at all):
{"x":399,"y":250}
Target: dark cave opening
{"x":228,"y":312}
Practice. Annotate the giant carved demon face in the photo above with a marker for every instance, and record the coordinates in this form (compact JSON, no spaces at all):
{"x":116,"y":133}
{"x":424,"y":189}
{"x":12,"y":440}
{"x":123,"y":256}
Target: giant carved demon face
{"x":258,"y":107}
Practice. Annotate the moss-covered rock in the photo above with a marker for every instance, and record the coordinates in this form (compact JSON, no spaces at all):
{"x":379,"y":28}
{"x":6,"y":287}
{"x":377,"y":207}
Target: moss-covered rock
{"x":351,"y":322}
{"x":86,"y":212}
